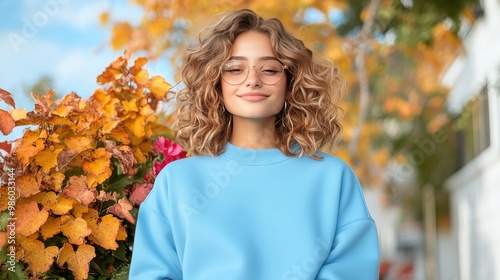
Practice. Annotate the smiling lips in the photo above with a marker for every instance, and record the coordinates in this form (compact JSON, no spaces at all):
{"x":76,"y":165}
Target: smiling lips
{"x":253,"y":96}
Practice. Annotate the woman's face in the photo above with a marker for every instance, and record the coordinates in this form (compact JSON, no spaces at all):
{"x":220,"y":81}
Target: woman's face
{"x":259,"y":96}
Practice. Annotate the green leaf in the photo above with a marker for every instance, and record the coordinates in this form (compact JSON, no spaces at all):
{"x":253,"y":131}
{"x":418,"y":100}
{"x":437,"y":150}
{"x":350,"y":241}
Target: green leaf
{"x":18,"y":273}
{"x":119,"y":184}
{"x":4,"y":219}
{"x":121,"y":252}
{"x":121,"y":273}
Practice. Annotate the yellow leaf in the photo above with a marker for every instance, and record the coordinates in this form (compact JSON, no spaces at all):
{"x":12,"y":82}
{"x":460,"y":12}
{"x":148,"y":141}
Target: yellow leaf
{"x":122,"y":34}
{"x":136,"y":126}
{"x":46,"y":199}
{"x":4,"y":198}
{"x":104,"y":18}
{"x":47,"y":159}
{"x":130,"y":106}
{"x":104,"y":231}
{"x":29,"y":217}
{"x":51,"y":227}
{"x":98,"y":168}
{"x":30,"y":146}
{"x":78,"y":261}
{"x":110,"y":125}
{"x":138,"y":64}
{"x":57,"y":180}
{"x":120,"y":135}
{"x":62,"y":110}
{"x":79,"y":210}
{"x":122,"y":233}
{"x":142,"y":77}
{"x":27,"y":185}
{"x":78,"y":144}
{"x":159,"y":87}
{"x":37,"y":256}
{"x":18,"y":114}
{"x":75,"y":229}
{"x":63,"y":205}
{"x":77,"y":189}
{"x":139,"y":155}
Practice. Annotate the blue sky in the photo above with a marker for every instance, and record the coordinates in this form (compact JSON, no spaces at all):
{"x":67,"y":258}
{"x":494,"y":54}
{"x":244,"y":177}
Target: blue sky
{"x":62,"y":39}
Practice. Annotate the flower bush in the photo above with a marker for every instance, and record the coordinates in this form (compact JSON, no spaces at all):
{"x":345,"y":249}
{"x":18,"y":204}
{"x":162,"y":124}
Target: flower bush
{"x":80,"y":172}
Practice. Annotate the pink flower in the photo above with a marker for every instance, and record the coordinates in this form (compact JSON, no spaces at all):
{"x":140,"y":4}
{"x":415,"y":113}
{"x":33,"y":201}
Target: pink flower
{"x":171,"y":151}
{"x":158,"y":166}
{"x":139,"y":193}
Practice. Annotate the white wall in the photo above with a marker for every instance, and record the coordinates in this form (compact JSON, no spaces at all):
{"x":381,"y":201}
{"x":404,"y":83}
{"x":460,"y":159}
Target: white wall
{"x":475,"y":189}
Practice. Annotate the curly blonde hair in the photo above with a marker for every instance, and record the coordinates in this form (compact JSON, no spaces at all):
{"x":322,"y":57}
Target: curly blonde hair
{"x":311,"y":119}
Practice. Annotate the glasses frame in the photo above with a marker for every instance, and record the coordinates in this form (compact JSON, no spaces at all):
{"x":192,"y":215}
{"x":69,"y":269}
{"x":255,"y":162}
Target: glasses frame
{"x":283,"y":68}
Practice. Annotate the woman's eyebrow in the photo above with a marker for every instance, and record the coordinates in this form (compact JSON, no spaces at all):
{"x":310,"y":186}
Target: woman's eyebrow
{"x":262,"y":58}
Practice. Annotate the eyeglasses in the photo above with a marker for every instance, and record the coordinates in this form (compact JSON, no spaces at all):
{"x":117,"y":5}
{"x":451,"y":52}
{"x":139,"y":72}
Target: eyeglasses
{"x":236,"y":72}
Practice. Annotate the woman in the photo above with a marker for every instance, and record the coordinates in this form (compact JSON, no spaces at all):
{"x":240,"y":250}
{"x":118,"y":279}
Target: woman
{"x":258,"y":200}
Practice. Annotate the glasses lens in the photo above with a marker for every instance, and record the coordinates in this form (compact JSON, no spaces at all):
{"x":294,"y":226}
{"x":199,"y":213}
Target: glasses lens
{"x":235,"y":72}
{"x":270,"y":72}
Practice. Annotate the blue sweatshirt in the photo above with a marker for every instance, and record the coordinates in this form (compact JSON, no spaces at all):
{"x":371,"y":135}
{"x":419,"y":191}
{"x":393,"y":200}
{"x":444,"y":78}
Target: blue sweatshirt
{"x":256,"y":215}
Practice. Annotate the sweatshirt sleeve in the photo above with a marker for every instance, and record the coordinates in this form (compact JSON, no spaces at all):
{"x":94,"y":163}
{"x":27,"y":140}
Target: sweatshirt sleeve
{"x":154,"y":255}
{"x":354,"y":253}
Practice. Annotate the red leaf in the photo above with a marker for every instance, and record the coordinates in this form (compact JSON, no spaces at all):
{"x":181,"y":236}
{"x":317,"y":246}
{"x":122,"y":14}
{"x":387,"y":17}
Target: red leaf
{"x":6,"y":122}
{"x":7,"y":98}
{"x":6,"y":146}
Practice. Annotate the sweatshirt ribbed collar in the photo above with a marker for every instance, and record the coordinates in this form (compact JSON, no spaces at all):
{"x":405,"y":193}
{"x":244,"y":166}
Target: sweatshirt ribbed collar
{"x":253,"y":156}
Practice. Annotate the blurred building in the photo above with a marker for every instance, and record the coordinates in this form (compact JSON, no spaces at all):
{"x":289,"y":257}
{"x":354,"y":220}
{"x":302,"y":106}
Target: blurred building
{"x":474,"y":79}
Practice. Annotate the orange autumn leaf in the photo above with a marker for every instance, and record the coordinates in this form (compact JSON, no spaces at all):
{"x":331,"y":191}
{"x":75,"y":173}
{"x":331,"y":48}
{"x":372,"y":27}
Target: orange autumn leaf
{"x":104,"y":18}
{"x":122,"y":210}
{"x":7,"y":123}
{"x":51,"y":227}
{"x":77,"y":189}
{"x":37,"y":256}
{"x":120,"y":135}
{"x":78,"y":210}
{"x":110,"y":125}
{"x":78,"y":261}
{"x":76,"y":229}
{"x":3,"y":239}
{"x":122,"y":233}
{"x":30,"y":145}
{"x":78,"y":144}
{"x":27,"y":186}
{"x":47,"y":159}
{"x":56,"y":180}
{"x":136,"y":126}
{"x":63,"y":205}
{"x":122,"y":34}
{"x":6,"y":97}
{"x":4,"y":198}
{"x":104,"y":229}
{"x":159,"y":87}
{"x":29,"y":217}
{"x":46,"y":199}
{"x":18,"y":114}
{"x":142,"y":77}
{"x":62,"y":110}
{"x":99,"y":163}
{"x":98,"y":167}
{"x":138,"y":64}
{"x":130,"y":105}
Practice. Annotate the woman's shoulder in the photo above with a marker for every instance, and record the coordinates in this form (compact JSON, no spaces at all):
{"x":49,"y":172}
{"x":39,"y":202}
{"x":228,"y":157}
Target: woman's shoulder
{"x":330,"y":160}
